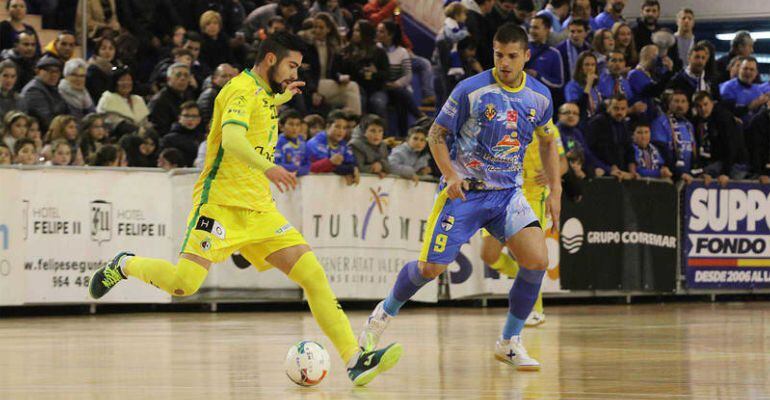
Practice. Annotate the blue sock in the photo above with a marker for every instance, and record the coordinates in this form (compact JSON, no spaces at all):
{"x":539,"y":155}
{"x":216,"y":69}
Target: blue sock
{"x":409,"y":281}
{"x":521,"y":298}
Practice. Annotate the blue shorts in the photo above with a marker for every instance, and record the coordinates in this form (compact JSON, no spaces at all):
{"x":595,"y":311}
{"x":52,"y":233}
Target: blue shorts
{"x":453,"y":222}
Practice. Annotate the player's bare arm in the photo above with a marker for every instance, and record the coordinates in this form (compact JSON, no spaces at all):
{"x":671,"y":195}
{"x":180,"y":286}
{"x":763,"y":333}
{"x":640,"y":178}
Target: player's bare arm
{"x":438,"y":148}
{"x":550,"y":155}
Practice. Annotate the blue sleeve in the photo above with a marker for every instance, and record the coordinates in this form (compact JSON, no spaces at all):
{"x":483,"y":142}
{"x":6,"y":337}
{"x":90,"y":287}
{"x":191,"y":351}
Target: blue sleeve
{"x":304,"y":165}
{"x":660,"y":131}
{"x":637,"y":82}
{"x":553,"y":73}
{"x":455,"y":111}
{"x":312,"y":151}
{"x":349,"y":157}
{"x":572,"y":92}
{"x":548,"y":112}
{"x":726,"y":93}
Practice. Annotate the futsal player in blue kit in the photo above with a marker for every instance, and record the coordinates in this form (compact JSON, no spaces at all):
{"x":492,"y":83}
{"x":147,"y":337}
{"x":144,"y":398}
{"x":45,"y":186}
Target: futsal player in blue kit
{"x":478,"y":141}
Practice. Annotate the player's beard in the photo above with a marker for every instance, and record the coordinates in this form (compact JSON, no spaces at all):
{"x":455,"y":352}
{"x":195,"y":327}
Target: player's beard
{"x":275,"y":86}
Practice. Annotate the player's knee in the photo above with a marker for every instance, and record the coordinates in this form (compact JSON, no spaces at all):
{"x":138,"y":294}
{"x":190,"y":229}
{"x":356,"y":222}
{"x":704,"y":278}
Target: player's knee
{"x":538,"y":262}
{"x":186,"y":286}
{"x":430,"y":270}
{"x":489,"y":256}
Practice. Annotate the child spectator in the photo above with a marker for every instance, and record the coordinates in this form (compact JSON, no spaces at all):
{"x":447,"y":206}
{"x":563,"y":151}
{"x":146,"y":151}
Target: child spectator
{"x":315,"y":124}
{"x":93,"y":134}
{"x":454,"y":31}
{"x":409,"y":159}
{"x":644,"y":159}
{"x":141,"y":149}
{"x":170,"y":158}
{"x":186,"y":134}
{"x":64,"y":127}
{"x":329,"y":152}
{"x":108,"y":156}
{"x":6,"y":156}
{"x":25,"y":151}
{"x":34,"y":133}
{"x":291,"y":150}
{"x":15,"y":127}
{"x":61,"y":153}
{"x":370,"y":152}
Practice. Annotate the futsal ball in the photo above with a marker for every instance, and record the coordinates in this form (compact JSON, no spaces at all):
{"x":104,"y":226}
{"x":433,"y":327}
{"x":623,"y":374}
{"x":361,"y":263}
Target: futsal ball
{"x":307,"y":363}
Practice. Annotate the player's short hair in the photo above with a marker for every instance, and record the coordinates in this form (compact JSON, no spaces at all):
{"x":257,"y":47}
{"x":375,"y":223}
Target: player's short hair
{"x":511,"y":33}
{"x":335,"y":115}
{"x":280,"y":44}
{"x":545,"y":20}
{"x":581,"y":22}
{"x":700,"y":95}
{"x":288,"y":114}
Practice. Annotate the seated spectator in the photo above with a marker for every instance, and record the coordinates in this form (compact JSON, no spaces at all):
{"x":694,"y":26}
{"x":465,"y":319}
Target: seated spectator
{"x":63,"y":47}
{"x":164,"y":106}
{"x":603,"y":43}
{"x":624,"y":42}
{"x":315,"y":125}
{"x":119,"y":104}
{"x":545,"y":62}
{"x":720,"y":144}
{"x":102,"y":16}
{"x":332,"y":7}
{"x":141,"y":149}
{"x":468,"y":49}
{"x":108,"y":156}
{"x":674,"y":134}
{"x":378,"y":11}
{"x":646,"y":83}
{"x":221,"y":76}
{"x":573,"y":140}
{"x":186,"y":134}
{"x":23,"y":55}
{"x":15,"y":127}
{"x":613,"y":12}
{"x":693,"y":78}
{"x":741,"y":95}
{"x":334,"y":88}
{"x":42,"y":95}
{"x":410,"y":159}
{"x":644,"y":159}
{"x":608,"y":138}
{"x":6,"y":155}
{"x":61,"y":153}
{"x":170,"y":158}
{"x":14,"y":26}
{"x":291,"y":150}
{"x":99,"y":72}
{"x":215,"y":48}
{"x":368,"y":66}
{"x":571,"y":48}
{"x":63,"y":127}
{"x":583,"y":90}
{"x":73,"y":89}
{"x":329,"y":152}
{"x":93,"y":134}
{"x":370,"y":152}
{"x":10,"y":99}
{"x":25,"y":152}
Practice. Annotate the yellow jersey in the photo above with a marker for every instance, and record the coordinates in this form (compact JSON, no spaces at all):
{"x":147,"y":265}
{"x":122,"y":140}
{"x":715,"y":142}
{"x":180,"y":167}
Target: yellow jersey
{"x":246,"y":100}
{"x":533,"y":163}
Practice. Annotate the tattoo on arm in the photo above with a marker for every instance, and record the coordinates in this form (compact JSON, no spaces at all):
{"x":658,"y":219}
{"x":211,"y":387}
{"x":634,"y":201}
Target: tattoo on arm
{"x":437,"y":134}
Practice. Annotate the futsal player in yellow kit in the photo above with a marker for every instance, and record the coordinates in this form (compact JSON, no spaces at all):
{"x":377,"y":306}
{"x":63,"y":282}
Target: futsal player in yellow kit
{"x":233,"y":209}
{"x":535,"y":189}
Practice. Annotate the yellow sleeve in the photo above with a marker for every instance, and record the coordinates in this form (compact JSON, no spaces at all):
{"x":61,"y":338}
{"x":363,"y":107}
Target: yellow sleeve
{"x":559,"y":144}
{"x":547,"y":130}
{"x":234,"y":141}
{"x":238,"y":108}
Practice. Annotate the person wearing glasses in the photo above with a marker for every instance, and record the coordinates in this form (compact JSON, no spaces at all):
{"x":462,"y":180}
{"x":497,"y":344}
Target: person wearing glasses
{"x":186,"y":134}
{"x":164,"y":107}
{"x":73,"y":89}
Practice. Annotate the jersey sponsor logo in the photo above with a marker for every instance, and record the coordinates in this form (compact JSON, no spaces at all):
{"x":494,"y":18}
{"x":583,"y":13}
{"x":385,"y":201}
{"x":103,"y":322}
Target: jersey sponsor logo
{"x":506,"y":146}
{"x":283,"y":229}
{"x":474,"y":164}
{"x":207,"y":224}
{"x":512,"y":119}
{"x":532,"y":115}
{"x":490,"y":112}
{"x":447,"y":223}
{"x":450,"y":108}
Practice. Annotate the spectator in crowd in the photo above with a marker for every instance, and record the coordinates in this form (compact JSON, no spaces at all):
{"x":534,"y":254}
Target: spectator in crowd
{"x":315,"y":125}
{"x":453,"y":31}
{"x":573,"y":140}
{"x":613,"y":12}
{"x":399,"y":74}
{"x":98,"y":74}
{"x":290,"y":10}
{"x":410,"y":160}
{"x":63,"y":127}
{"x":73,"y":89}
{"x":108,"y":156}
{"x":557,"y":11}
{"x":720,"y":145}
{"x":25,"y":152}
{"x":370,"y":151}
{"x":367,"y":65}
{"x":480,"y":29}
{"x":613,"y":81}
{"x":215,"y":48}
{"x":93,"y":135}
{"x":603,"y":43}
{"x":6,"y":155}
{"x":624,"y":42}
{"x":164,"y":107}
{"x":571,"y":48}
{"x":102,"y":17}
{"x":11,"y":28}
{"x":23,"y":55}
{"x":34,"y":133}
{"x":742,"y":45}
{"x":644,"y":159}
{"x":646,"y":83}
{"x":647,"y":23}
{"x":170,"y":158}
{"x":176,"y":41}
{"x":378,"y":11}
{"x":186,"y":134}
{"x":583,"y":89}
{"x":674,"y":134}
{"x":329,"y":151}
{"x":332,"y":7}
{"x":740,"y":94}
{"x":685,"y":39}
{"x":119,"y":104}
{"x":42,"y":95}
{"x":334,"y":88}
{"x":545,"y":62}
{"x":758,"y":137}
{"x":193,"y":42}
{"x":61,"y":153}
{"x":15,"y":126}
{"x":63,"y":47}
{"x":159,"y":76}
{"x":581,"y":10}
{"x":291,"y":150}
{"x":10,"y":99}
{"x":141,"y":148}
{"x":693,"y":78}
{"x":468,"y":51}
{"x":711,"y":63}
{"x":148,"y":22}
{"x":221,"y":76}
{"x":608,"y":137}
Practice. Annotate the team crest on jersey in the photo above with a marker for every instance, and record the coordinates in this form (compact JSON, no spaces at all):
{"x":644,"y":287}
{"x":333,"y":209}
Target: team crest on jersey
{"x":507,"y":146}
{"x":206,"y":244}
{"x":473,"y":164}
{"x":532,"y":115}
{"x":490,"y":112}
{"x":512,"y":119}
{"x":447,"y":223}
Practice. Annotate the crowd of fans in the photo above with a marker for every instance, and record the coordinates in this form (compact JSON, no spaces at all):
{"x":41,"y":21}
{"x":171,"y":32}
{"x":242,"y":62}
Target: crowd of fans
{"x":634,"y":99}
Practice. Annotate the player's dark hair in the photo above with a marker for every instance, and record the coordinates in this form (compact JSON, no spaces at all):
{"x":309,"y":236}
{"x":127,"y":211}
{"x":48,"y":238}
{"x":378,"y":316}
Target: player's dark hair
{"x":289,"y":114}
{"x":280,"y":44}
{"x":511,"y":33}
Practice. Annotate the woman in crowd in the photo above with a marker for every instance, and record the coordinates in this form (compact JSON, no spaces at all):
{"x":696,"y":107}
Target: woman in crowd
{"x":141,"y":149}
{"x":624,"y":42}
{"x":367,"y":65}
{"x":99,"y":72}
{"x":332,"y":7}
{"x":34,"y":133}
{"x":334,"y":88}
{"x":119,"y":103}
{"x":73,"y":89}
{"x":215,"y":48}
{"x":93,"y":134}
{"x":582,"y":89}
{"x":63,"y":127}
{"x":14,"y":25}
{"x":602,"y":44}
{"x":10,"y":99}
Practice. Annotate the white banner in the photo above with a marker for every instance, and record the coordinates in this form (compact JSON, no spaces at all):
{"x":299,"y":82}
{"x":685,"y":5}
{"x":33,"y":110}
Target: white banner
{"x":11,"y":260}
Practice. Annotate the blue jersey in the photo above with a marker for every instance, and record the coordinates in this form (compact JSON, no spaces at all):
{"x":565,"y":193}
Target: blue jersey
{"x":648,"y":161}
{"x":292,"y":154}
{"x":319,"y":148}
{"x":677,"y":136}
{"x":490,"y":126}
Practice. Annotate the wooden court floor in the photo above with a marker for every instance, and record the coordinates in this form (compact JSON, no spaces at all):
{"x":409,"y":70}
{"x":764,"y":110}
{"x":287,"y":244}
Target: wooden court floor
{"x":671,"y":351}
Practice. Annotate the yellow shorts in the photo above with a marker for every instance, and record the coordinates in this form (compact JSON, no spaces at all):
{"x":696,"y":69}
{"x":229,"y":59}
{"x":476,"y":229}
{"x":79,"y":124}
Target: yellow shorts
{"x":215,"y":232}
{"x":536,"y":199}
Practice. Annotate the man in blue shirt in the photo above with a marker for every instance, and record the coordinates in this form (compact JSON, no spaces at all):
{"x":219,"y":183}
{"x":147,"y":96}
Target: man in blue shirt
{"x":557,"y":11}
{"x":581,"y":9}
{"x":693,"y":78}
{"x":740,"y":95}
{"x":478,"y":142}
{"x":613,"y":82}
{"x":648,"y":80}
{"x":545,"y":62}
{"x":612,"y":13}
{"x":571,"y":48}
{"x":673,"y":134}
